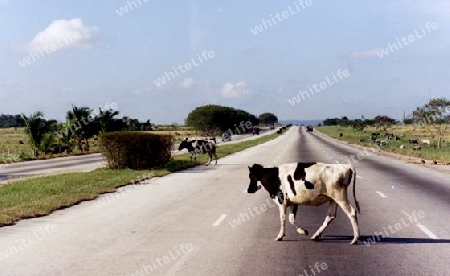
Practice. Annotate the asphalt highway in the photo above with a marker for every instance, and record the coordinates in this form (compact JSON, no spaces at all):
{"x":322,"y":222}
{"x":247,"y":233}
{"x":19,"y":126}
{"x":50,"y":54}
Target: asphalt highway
{"x":201,"y":221}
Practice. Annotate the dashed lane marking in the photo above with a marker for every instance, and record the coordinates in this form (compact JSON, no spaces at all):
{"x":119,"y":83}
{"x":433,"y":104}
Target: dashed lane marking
{"x":422,"y":227}
{"x":219,"y":220}
{"x":381,"y":194}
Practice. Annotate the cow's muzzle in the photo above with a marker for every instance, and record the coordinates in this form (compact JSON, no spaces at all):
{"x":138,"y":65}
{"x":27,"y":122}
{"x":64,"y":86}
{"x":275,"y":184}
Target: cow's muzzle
{"x":252,"y":190}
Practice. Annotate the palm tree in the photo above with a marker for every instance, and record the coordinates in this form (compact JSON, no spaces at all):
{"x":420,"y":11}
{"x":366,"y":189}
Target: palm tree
{"x":83,"y":128}
{"x":66,"y":135}
{"x":105,"y":119}
{"x":37,"y":130}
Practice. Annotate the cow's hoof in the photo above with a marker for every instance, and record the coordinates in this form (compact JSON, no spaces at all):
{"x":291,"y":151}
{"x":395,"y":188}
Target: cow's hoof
{"x":315,"y":238}
{"x":354,"y":242}
{"x":302,"y":231}
{"x":278,"y":238}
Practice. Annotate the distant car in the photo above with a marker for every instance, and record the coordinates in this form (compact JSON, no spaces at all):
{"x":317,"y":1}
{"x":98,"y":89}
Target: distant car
{"x":256,"y":130}
{"x":272,"y":126}
{"x":226,"y":137}
{"x":309,"y":128}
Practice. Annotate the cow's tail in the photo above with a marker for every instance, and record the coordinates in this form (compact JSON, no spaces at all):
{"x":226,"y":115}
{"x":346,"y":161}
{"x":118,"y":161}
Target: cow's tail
{"x":354,"y":191}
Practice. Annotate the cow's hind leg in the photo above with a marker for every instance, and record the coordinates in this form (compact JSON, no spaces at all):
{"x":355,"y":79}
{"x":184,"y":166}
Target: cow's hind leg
{"x":215,"y":155}
{"x":282,"y":209}
{"x":292,"y":215}
{"x":351,"y":213}
{"x":209,"y":160}
{"x":330,"y":216}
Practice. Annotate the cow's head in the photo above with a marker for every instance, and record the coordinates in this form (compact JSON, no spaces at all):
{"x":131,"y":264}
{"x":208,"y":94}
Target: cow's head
{"x":255,"y":173}
{"x":185,"y":144}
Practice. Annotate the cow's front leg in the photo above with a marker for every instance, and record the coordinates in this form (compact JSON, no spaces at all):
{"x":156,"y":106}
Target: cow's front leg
{"x":282,"y":208}
{"x":292,"y":215}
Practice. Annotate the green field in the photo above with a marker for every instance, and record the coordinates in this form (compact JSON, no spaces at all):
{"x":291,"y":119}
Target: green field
{"x":42,"y":195}
{"x":404,"y":132}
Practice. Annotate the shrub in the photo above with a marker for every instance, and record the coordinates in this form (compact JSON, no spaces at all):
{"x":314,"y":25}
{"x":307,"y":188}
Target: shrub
{"x":135,"y":150}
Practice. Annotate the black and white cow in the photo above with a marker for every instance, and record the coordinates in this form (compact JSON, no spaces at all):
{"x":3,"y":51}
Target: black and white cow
{"x":196,"y":147}
{"x":313,"y":184}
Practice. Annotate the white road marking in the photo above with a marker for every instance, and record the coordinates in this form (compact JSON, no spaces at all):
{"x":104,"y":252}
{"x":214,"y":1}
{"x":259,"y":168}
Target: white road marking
{"x":426,"y":231}
{"x":220,"y":219}
{"x":422,"y":227}
{"x":381,"y":194}
{"x":359,"y":176}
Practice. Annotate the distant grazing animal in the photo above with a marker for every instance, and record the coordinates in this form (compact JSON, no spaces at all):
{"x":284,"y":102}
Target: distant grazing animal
{"x":21,"y":142}
{"x":374,"y":136}
{"x":427,"y":142}
{"x":413,"y":141}
{"x":340,"y":135}
{"x":417,"y":148}
{"x":402,"y":146}
{"x":196,"y":147}
{"x":312,"y":184}
{"x":55,"y":149}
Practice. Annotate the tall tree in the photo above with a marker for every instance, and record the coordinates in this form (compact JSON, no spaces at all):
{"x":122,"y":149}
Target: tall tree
{"x":383,"y":121}
{"x":84,"y":126}
{"x":39,"y":131}
{"x":434,"y":117}
{"x":268,"y":118}
{"x":105,"y":119}
{"x":216,"y":118}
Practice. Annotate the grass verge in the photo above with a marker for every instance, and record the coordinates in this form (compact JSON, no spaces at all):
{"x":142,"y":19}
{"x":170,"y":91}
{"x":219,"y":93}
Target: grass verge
{"x":40,"y":196}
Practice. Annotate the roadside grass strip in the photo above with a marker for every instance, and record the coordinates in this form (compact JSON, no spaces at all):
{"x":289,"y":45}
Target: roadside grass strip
{"x":41,"y":196}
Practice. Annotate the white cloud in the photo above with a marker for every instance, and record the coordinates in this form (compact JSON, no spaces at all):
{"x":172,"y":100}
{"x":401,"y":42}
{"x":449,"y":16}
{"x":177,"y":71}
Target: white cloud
{"x":64,"y":33}
{"x":67,"y":89}
{"x":187,"y":83}
{"x":237,"y":90}
{"x":365,"y":54}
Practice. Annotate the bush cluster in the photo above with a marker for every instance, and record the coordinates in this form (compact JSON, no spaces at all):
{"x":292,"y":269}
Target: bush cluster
{"x":135,"y":150}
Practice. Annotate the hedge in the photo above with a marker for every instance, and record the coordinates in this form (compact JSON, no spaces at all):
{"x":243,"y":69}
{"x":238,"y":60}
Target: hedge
{"x":135,"y":150}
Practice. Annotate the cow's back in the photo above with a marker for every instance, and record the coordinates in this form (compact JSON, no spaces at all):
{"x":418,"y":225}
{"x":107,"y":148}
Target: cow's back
{"x":328,"y":180}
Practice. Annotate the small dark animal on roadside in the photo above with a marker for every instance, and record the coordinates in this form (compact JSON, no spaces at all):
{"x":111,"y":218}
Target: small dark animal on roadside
{"x":413,"y":141}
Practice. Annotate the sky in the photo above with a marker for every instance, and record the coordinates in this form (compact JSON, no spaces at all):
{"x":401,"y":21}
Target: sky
{"x":159,"y":60}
